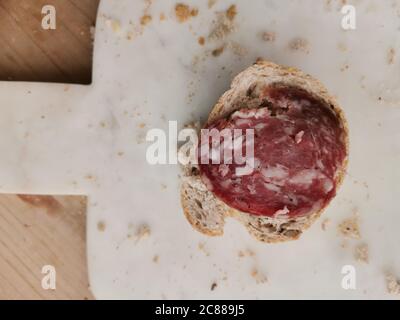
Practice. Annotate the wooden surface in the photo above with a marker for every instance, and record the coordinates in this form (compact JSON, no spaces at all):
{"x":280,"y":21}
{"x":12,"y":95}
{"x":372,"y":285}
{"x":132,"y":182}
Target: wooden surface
{"x":30,"y":53}
{"x":39,"y":231}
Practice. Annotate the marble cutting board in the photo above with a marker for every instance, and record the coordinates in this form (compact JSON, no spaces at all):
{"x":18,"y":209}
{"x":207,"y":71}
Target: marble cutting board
{"x":91,"y":140}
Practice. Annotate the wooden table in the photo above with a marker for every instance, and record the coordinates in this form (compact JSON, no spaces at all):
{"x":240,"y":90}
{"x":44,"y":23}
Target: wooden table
{"x":38,"y":231}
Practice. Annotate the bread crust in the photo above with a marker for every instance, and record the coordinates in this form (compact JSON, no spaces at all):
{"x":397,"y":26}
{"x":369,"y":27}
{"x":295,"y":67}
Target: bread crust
{"x":265,"y":229}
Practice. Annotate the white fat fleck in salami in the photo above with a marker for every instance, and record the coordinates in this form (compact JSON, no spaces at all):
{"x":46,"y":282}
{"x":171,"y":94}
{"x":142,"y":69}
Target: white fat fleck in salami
{"x":272,"y":187}
{"x":251,"y":113}
{"x":277,"y":173}
{"x":299,"y":137}
{"x":244,"y":171}
{"x":328,"y":185}
{"x":299,"y":148}
{"x":207,"y":182}
{"x":282,"y":212}
{"x":320,"y":165}
{"x":306,"y":177}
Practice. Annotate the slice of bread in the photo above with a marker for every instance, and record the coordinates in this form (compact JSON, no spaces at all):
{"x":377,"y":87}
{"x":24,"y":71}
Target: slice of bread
{"x":205,"y":212}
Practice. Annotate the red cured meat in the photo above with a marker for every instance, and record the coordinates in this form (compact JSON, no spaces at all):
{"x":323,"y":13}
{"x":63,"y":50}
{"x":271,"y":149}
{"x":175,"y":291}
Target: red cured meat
{"x":299,"y":147}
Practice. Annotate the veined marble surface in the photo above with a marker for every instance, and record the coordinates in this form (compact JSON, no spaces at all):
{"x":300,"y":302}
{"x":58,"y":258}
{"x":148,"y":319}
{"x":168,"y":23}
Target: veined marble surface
{"x":58,"y":139}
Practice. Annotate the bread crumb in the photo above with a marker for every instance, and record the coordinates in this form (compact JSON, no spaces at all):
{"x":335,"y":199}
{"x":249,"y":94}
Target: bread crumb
{"x":156,"y":259}
{"x":258,"y":276}
{"x":130,"y":35}
{"x":237,"y":49}
{"x":392,"y":284}
{"x":246,"y":253}
{"x":214,"y":285}
{"x":349,"y":228}
{"x":201,"y":41}
{"x":268,"y":36}
{"x":299,"y":137}
{"x":194,"y":12}
{"x":361,"y":253}
{"x":141,"y":233}
{"x":101,"y":226}
{"x":391,"y":56}
{"x":231,"y":12}
{"x":299,"y":44}
{"x":114,"y":25}
{"x":223,"y":26}
{"x":217,"y":52}
{"x":202,"y":247}
{"x":145,"y":20}
{"x":344,"y":68}
{"x":211,"y":3}
{"x":183,"y":12}
{"x":325,"y":224}
{"x":162,"y":17}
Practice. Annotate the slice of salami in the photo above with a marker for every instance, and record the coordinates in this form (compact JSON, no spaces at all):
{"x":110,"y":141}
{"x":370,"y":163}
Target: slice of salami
{"x":299,"y":147}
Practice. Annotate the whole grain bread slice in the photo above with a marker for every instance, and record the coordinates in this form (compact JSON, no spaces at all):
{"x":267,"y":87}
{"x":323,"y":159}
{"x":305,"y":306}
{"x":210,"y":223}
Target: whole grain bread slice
{"x":205,"y":212}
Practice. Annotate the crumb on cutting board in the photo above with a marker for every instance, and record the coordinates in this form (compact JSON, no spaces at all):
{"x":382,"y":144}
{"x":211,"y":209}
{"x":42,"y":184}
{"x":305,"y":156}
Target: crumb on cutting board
{"x":349,"y":228}
{"x":237,"y":49}
{"x":392,"y":284}
{"x":114,"y":25}
{"x":145,"y":19}
{"x":299,"y":44}
{"x":211,"y":3}
{"x":183,"y":12}
{"x":142,"y":232}
{"x":231,"y":12}
{"x":258,"y":276}
{"x":201,"y":41}
{"x":218,"y":51}
{"x":214,"y":286}
{"x":361,"y":253}
{"x":268,"y":36}
{"x":325,"y":224}
{"x":101,"y":226}
{"x":202,"y":248}
{"x":156,"y":258}
{"x":223,"y":26}
{"x":345,"y":67}
{"x":391,"y":56}
{"x":246,"y":253}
